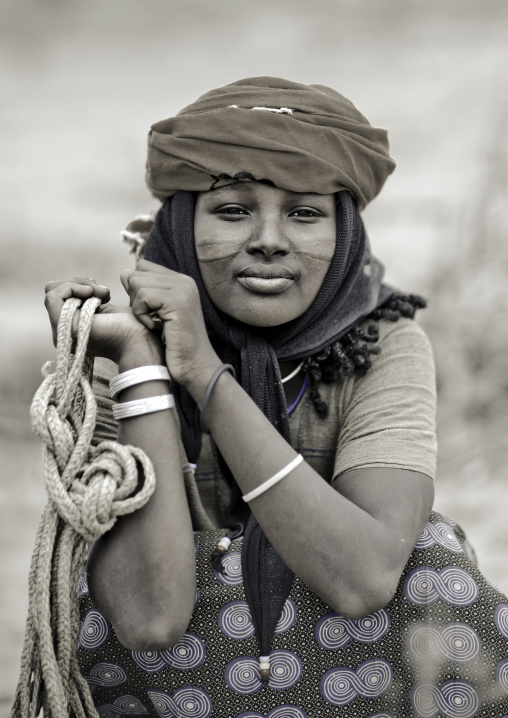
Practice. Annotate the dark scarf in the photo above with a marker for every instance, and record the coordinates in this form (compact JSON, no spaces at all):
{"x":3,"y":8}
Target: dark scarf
{"x":352,"y":289}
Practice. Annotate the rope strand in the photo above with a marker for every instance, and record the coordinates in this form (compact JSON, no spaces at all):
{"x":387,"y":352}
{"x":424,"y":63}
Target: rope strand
{"x":88,"y":488}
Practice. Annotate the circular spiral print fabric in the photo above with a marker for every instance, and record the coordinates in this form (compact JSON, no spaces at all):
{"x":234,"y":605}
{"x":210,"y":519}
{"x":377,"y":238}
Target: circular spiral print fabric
{"x":162,"y":703}
{"x":454,"y":699}
{"x":425,"y":585}
{"x":82,"y":586}
{"x":342,"y":685}
{"x":455,"y":641}
{"x":125,"y":705}
{"x":242,"y":675}
{"x":441,"y":533}
{"x":502,"y":674}
{"x":149,"y":661}
{"x":444,"y":613}
{"x":188,"y":702}
{"x":285,"y":669}
{"x":287,"y":618}
{"x":94,"y":631}
{"x":232,"y":565}
{"x":235,"y":620}
{"x":501,"y":619}
{"x":107,"y":674}
{"x":186,"y":655}
{"x":334,"y":631}
{"x":287,"y":711}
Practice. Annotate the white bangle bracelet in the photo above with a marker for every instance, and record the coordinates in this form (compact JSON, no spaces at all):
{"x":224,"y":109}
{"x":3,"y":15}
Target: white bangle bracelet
{"x":140,"y":375}
{"x":274,"y":479}
{"x":143,"y":406}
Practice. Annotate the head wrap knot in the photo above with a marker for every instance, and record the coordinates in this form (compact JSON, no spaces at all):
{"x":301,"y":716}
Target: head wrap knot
{"x":302,"y":138}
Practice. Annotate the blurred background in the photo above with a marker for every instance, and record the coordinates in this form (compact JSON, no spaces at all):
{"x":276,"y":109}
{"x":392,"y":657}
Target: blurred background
{"x":81,"y":82}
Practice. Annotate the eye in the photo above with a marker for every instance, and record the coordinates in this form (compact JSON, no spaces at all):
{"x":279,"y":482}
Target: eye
{"x":231,"y":212}
{"x":305,"y":213}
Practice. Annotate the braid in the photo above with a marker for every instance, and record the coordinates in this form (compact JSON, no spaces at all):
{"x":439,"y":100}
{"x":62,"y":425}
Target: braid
{"x":398,"y":305}
{"x":352,"y":353}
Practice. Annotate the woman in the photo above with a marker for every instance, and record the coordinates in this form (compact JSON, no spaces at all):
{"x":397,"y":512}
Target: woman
{"x":282,"y":343}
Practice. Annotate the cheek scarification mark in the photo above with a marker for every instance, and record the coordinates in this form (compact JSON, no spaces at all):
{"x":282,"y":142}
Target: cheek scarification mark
{"x":216,"y":258}
{"x":319,"y":256}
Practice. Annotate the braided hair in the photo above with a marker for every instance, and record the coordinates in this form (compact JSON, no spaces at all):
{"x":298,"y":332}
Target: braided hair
{"x":352,"y":353}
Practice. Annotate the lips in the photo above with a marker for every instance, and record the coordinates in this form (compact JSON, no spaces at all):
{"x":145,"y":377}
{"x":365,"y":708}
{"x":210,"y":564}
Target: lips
{"x":266,"y":279}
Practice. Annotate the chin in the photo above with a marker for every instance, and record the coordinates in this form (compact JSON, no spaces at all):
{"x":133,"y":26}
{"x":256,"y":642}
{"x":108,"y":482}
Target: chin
{"x":262,"y":319}
{"x":273,"y":323}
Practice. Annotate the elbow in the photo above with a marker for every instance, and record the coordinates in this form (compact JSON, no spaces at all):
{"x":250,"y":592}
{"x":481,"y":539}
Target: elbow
{"x":157,"y":634}
{"x":149,"y":607}
{"x":155,"y":627}
{"x":146,"y":622}
{"x":359,"y":601}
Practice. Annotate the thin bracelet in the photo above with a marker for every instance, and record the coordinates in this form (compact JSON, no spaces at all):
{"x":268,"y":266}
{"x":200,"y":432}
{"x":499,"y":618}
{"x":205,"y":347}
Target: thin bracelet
{"x":274,"y":479}
{"x":208,"y":394}
{"x":140,"y":375}
{"x":143,"y":406}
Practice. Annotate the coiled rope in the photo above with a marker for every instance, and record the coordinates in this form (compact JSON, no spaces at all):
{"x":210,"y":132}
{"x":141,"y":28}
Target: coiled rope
{"x":88,"y":488}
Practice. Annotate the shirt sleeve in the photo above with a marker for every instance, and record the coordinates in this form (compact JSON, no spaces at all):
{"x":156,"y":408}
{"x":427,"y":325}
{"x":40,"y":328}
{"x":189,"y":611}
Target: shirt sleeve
{"x":388,"y":417}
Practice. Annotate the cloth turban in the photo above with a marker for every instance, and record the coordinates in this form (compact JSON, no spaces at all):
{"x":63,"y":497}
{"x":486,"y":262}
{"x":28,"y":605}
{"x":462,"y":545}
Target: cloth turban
{"x":302,"y":138}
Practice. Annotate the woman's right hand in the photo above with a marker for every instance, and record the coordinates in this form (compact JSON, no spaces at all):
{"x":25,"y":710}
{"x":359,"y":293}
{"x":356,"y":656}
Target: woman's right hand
{"x":115,"y":331}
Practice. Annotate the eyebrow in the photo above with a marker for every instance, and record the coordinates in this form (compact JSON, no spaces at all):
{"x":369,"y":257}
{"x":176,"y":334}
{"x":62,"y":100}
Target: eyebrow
{"x":232,"y":186}
{"x":246,"y":186}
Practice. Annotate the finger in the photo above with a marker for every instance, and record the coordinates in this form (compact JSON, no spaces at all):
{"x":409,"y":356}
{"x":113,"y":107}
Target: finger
{"x":140,"y":280}
{"x":147,"y":304}
{"x":57,"y":293}
{"x":109,"y":308}
{"x":55,"y":298}
{"x":127,"y":275}
{"x":145,"y":266}
{"x":124,"y":278}
{"x":133,"y":281}
{"x":99,"y":290}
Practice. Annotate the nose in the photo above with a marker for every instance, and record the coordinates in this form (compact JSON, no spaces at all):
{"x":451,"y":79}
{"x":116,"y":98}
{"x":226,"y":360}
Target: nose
{"x":268,"y":238}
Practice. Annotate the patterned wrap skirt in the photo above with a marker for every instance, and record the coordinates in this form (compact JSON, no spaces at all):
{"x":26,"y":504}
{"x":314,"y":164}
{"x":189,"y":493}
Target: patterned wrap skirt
{"x":439,"y":649}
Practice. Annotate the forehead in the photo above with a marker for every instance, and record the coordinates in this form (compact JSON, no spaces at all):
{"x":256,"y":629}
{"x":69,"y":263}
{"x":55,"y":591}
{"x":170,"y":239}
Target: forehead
{"x":259,"y":191}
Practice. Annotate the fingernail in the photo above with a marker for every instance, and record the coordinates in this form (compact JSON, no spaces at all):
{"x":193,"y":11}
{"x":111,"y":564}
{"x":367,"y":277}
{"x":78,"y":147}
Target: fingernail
{"x":101,"y":285}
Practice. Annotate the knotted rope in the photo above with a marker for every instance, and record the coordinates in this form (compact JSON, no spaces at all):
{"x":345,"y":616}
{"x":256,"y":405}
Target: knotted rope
{"x":88,"y":489}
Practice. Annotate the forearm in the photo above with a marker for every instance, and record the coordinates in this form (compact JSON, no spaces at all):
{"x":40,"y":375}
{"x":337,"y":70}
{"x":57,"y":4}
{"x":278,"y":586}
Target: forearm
{"x":142,"y":572}
{"x":343,"y":553}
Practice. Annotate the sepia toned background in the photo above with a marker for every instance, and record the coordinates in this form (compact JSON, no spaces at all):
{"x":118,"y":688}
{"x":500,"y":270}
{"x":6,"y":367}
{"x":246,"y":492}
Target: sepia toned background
{"x":82,"y":80}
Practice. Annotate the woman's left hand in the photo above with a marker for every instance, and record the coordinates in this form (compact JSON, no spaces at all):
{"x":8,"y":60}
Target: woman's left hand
{"x":174,"y":298}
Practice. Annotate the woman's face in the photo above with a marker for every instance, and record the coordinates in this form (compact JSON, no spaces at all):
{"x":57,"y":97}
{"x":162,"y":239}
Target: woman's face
{"x":263,"y":252}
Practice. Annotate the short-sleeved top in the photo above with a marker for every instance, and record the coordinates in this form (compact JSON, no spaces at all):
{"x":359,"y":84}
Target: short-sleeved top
{"x":383,"y":419}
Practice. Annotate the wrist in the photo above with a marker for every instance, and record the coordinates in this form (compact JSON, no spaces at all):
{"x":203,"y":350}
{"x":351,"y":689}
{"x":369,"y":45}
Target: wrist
{"x":143,"y":354}
{"x":197,"y":381}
